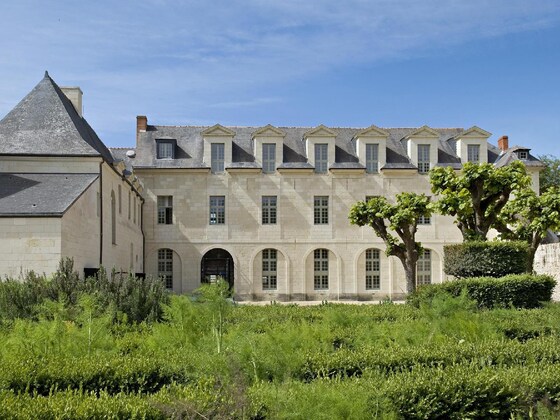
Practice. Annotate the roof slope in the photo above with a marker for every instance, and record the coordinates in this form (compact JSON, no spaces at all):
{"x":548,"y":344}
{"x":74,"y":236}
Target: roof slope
{"x":41,"y":194}
{"x":46,"y":123}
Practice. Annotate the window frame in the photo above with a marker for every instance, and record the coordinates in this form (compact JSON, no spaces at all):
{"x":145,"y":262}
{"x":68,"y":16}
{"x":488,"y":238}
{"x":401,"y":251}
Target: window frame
{"x":522,"y":154}
{"x":269,"y":209}
{"x":424,"y":221}
{"x":165,"y":149}
{"x":269,"y":158}
{"x":217,"y":157}
{"x":424,"y":268}
{"x":165,"y":260}
{"x":164,"y":210}
{"x":217,"y":206}
{"x":269,"y":269}
{"x":423,"y":164}
{"x":373,"y":269}
{"x":470,"y":151}
{"x":321,"y":269}
{"x":321,"y":210}
{"x":372,"y":158}
{"x":321,"y":158}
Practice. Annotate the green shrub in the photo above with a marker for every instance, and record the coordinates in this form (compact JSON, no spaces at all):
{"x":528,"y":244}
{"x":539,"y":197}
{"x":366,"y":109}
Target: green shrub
{"x":486,"y":259}
{"x":517,"y":290}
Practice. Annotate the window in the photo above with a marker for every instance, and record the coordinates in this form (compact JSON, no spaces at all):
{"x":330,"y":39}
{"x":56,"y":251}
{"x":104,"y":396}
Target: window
{"x":129,"y":205}
{"x":372,"y":158}
{"x":120,"y":199}
{"x":321,"y":158}
{"x":523,"y":154}
{"x":269,"y":266}
{"x":139,"y":213}
{"x":134,"y":209}
{"x":164,"y":209}
{"x":373,"y":270}
{"x":424,"y":220}
{"x":424,"y":268}
{"x":321,"y":269}
{"x":423,"y":158}
{"x":165,"y":267}
{"x":269,"y":158}
{"x":113,"y":219}
{"x":321,"y":210}
{"x":269,"y":210}
{"x":217,"y":210}
{"x":217,"y":153}
{"x":165,"y":149}
{"x":473,"y":153}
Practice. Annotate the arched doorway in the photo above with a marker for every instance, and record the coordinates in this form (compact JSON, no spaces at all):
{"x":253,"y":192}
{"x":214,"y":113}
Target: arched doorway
{"x":217,"y":263}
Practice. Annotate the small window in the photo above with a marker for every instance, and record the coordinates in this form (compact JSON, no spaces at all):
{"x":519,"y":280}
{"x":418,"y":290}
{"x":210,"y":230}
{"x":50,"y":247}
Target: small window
{"x":120,"y":199}
{"x":372,"y":158}
{"x":113,"y":219}
{"x":321,"y":158}
{"x":165,"y":209}
{"x":269,"y":158}
{"x":321,"y":210}
{"x":134,"y":209}
{"x":165,"y":267}
{"x":217,"y":210}
{"x":423,"y":158}
{"x":269,"y":210}
{"x":129,"y":205}
{"x":373,"y":269}
{"x":523,"y":154}
{"x":424,"y":220}
{"x":217,"y":154}
{"x":269,"y":269}
{"x":424,"y":268}
{"x":473,"y":153}
{"x":165,"y":149}
{"x":321,"y":269}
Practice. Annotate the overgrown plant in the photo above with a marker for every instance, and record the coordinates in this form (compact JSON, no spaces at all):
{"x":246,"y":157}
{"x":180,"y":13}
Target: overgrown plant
{"x":216,"y":297}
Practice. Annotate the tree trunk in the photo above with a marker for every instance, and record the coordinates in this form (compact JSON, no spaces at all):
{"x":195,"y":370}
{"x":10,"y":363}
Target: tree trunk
{"x":410,"y":271}
{"x":535,"y":242}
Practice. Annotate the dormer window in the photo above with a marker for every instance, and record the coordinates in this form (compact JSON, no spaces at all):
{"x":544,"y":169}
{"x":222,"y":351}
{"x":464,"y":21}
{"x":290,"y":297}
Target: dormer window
{"x":423,"y":158}
{"x":473,"y":153}
{"x":217,"y":157}
{"x":372,"y":158}
{"x":165,"y":149}
{"x":522,"y":154}
{"x":269,"y":158}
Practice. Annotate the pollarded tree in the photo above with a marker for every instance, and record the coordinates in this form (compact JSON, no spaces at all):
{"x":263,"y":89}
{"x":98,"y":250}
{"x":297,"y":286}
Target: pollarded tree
{"x":477,"y":195}
{"x":528,"y":217}
{"x":401,"y":218}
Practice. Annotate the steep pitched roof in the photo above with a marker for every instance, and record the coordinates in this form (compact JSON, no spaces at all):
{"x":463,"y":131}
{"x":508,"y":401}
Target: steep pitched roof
{"x":41,"y":194}
{"x":46,"y":123}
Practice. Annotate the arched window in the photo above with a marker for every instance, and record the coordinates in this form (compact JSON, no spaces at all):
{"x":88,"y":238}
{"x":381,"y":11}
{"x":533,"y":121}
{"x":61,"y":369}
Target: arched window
{"x":373,"y":269}
{"x":424,"y":268}
{"x":165,"y":267}
{"x":321,"y":269}
{"x":269,"y":268}
{"x":113,"y":219}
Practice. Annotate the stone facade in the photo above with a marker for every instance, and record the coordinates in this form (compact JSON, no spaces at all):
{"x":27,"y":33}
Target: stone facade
{"x":547,"y":261}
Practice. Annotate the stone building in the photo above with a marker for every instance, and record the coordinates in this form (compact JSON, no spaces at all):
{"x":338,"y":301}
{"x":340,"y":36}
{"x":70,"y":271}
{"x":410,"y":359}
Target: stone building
{"x":62,"y":193}
{"x":264,"y":207}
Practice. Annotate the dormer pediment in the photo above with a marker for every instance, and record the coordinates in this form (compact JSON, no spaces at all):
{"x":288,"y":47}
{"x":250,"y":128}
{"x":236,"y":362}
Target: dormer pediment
{"x":372,"y":131}
{"x":218,"y":130}
{"x":474,"y":132}
{"x":269,"y":131}
{"x":424,"y":132}
{"x":320,"y":131}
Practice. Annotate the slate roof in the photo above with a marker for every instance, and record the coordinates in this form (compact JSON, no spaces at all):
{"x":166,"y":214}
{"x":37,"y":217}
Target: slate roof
{"x":40,"y":194}
{"x":190,"y":147}
{"x":510,"y":155}
{"x":46,"y":123}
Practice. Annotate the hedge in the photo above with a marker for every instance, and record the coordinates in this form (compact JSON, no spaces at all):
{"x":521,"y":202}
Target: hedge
{"x":486,"y":259}
{"x":517,"y":290}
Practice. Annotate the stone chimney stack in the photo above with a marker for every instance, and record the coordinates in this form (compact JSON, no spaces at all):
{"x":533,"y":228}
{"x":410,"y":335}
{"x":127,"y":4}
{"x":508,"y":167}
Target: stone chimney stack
{"x":74,"y":93}
{"x":503,"y":143}
{"x":141,"y":124}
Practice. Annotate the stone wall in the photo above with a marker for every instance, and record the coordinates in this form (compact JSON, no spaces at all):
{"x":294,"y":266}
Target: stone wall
{"x":547,"y":261}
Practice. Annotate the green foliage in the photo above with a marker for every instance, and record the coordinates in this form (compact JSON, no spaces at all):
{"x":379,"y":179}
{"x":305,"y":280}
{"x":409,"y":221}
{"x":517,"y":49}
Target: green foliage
{"x":481,"y":258}
{"x":477,"y":195}
{"x":401,"y":218}
{"x":549,"y":177}
{"x":519,"y":291}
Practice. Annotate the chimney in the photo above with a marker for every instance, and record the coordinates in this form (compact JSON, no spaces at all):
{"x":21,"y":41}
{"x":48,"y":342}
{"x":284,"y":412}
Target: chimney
{"x":503,"y":143}
{"x":141,"y":124}
{"x":74,"y":93}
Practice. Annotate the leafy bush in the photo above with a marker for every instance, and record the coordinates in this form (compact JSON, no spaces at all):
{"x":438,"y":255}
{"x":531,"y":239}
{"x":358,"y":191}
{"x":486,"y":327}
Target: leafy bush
{"x":517,"y":290}
{"x":486,"y":259}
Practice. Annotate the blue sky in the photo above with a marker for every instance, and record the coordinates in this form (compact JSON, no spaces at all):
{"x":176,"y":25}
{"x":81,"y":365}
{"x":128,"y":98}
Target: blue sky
{"x":392,"y":63}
